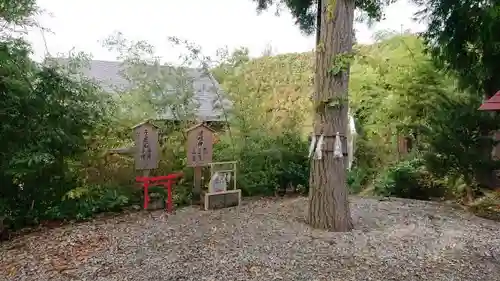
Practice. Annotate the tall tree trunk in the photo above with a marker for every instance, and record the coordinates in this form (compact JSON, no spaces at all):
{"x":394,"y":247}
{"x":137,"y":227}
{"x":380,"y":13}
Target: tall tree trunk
{"x":318,"y":21}
{"x":328,"y":202}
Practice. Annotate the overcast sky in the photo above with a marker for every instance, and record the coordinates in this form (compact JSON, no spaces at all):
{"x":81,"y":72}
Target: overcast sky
{"x":82,"y":24}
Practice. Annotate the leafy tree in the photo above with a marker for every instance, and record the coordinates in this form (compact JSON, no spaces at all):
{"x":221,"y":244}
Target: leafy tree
{"x":393,"y":84}
{"x":156,"y":89}
{"x":457,"y":147}
{"x":328,"y":204}
{"x":273,"y":89}
{"x":269,"y":99}
{"x":463,"y":36}
{"x":15,"y":13}
{"x":47,"y":117}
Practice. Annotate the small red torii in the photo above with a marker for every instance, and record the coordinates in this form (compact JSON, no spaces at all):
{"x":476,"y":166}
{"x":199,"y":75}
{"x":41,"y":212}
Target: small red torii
{"x":166,"y":181}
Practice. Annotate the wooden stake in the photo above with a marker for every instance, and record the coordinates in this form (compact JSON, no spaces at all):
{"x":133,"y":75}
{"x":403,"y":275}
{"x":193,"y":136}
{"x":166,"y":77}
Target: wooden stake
{"x":197,"y":185}
{"x":145,"y":173}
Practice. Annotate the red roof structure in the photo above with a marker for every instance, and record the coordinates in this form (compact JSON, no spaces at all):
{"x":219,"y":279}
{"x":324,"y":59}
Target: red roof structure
{"x":492,"y":104}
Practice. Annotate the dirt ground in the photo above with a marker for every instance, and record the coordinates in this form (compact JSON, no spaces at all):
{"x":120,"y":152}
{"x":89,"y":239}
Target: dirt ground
{"x":264,"y":240}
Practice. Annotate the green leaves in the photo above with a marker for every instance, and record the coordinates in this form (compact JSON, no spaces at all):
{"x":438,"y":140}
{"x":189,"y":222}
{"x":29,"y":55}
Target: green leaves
{"x":305,"y":11}
{"x":47,"y":117}
{"x":16,"y":11}
{"x":341,"y":63}
{"x":459,"y":138}
{"x":463,"y":37}
{"x":409,"y":179}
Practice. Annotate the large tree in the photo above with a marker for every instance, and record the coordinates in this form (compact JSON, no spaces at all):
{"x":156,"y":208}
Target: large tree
{"x":333,"y":21}
{"x":463,"y":36}
{"x":48,"y":117}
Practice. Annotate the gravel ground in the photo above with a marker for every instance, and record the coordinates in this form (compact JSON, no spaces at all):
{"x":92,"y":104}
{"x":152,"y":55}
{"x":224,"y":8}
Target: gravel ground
{"x":264,"y":240}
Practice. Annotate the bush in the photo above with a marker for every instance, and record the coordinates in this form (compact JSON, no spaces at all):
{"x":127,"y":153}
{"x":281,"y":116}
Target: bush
{"x":84,"y":202}
{"x":47,"y":118}
{"x":357,"y":178}
{"x":266,"y":162}
{"x":459,"y":142}
{"x":487,"y":206}
{"x":409,"y":179}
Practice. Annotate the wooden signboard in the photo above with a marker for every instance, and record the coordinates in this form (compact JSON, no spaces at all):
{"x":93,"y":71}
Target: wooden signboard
{"x":200,"y":140}
{"x":199,"y":153}
{"x":147,"y":148}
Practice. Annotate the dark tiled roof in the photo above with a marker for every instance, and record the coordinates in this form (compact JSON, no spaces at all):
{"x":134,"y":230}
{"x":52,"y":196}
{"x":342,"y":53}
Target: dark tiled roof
{"x":110,"y":76}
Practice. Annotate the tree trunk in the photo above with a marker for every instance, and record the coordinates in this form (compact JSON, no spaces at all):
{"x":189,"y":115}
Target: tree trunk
{"x":328,"y":202}
{"x":469,"y":193}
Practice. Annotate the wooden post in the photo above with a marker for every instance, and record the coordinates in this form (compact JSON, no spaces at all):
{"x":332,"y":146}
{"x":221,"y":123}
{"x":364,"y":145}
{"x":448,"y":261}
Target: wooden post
{"x":197,"y":185}
{"x":147,"y":147}
{"x":146,"y":152}
{"x":199,"y":154}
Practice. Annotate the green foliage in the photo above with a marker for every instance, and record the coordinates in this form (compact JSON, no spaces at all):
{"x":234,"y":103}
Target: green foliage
{"x":268,"y":123}
{"x":47,"y":118}
{"x":266,"y":162}
{"x":269,"y":93}
{"x":357,"y":179}
{"x":394,"y":86}
{"x":463,"y":36}
{"x":84,"y":202}
{"x":487,"y":206}
{"x":16,"y":12}
{"x":340,"y":63}
{"x":458,"y":141}
{"x":409,"y":179}
{"x":305,"y":11}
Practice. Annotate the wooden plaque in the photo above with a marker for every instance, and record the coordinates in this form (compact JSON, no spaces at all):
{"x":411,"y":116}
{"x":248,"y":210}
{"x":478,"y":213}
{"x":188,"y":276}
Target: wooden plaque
{"x":147,"y":148}
{"x":199,"y":145}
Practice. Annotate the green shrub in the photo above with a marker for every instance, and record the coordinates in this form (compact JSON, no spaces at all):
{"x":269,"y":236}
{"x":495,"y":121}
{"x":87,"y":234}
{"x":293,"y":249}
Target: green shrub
{"x":409,"y":179}
{"x":487,"y":206}
{"x":48,"y":119}
{"x":84,"y":202}
{"x":266,"y":162}
{"x":459,"y":143}
{"x":182,"y":195}
{"x":357,"y":178}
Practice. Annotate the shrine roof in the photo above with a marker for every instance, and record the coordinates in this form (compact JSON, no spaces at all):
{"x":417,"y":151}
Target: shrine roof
{"x":492,"y":104}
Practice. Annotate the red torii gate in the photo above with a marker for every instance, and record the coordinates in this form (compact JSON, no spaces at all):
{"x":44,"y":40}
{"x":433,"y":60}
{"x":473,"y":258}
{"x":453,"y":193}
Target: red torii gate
{"x":166,"y":181}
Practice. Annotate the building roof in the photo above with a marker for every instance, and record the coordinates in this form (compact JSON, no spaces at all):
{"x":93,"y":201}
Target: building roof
{"x":199,"y":125}
{"x":492,"y":104}
{"x":110,"y":76}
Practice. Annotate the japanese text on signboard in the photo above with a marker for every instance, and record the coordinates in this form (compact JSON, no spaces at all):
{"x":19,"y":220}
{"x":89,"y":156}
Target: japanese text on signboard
{"x":200,"y":142}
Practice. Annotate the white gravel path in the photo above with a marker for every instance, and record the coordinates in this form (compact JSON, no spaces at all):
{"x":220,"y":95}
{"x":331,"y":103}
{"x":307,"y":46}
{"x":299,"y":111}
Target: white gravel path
{"x":265,"y":240}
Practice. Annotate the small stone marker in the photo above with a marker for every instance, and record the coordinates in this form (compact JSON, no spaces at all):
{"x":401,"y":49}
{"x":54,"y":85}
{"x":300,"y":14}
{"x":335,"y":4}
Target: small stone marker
{"x":218,"y":182}
{"x":221,"y":193}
